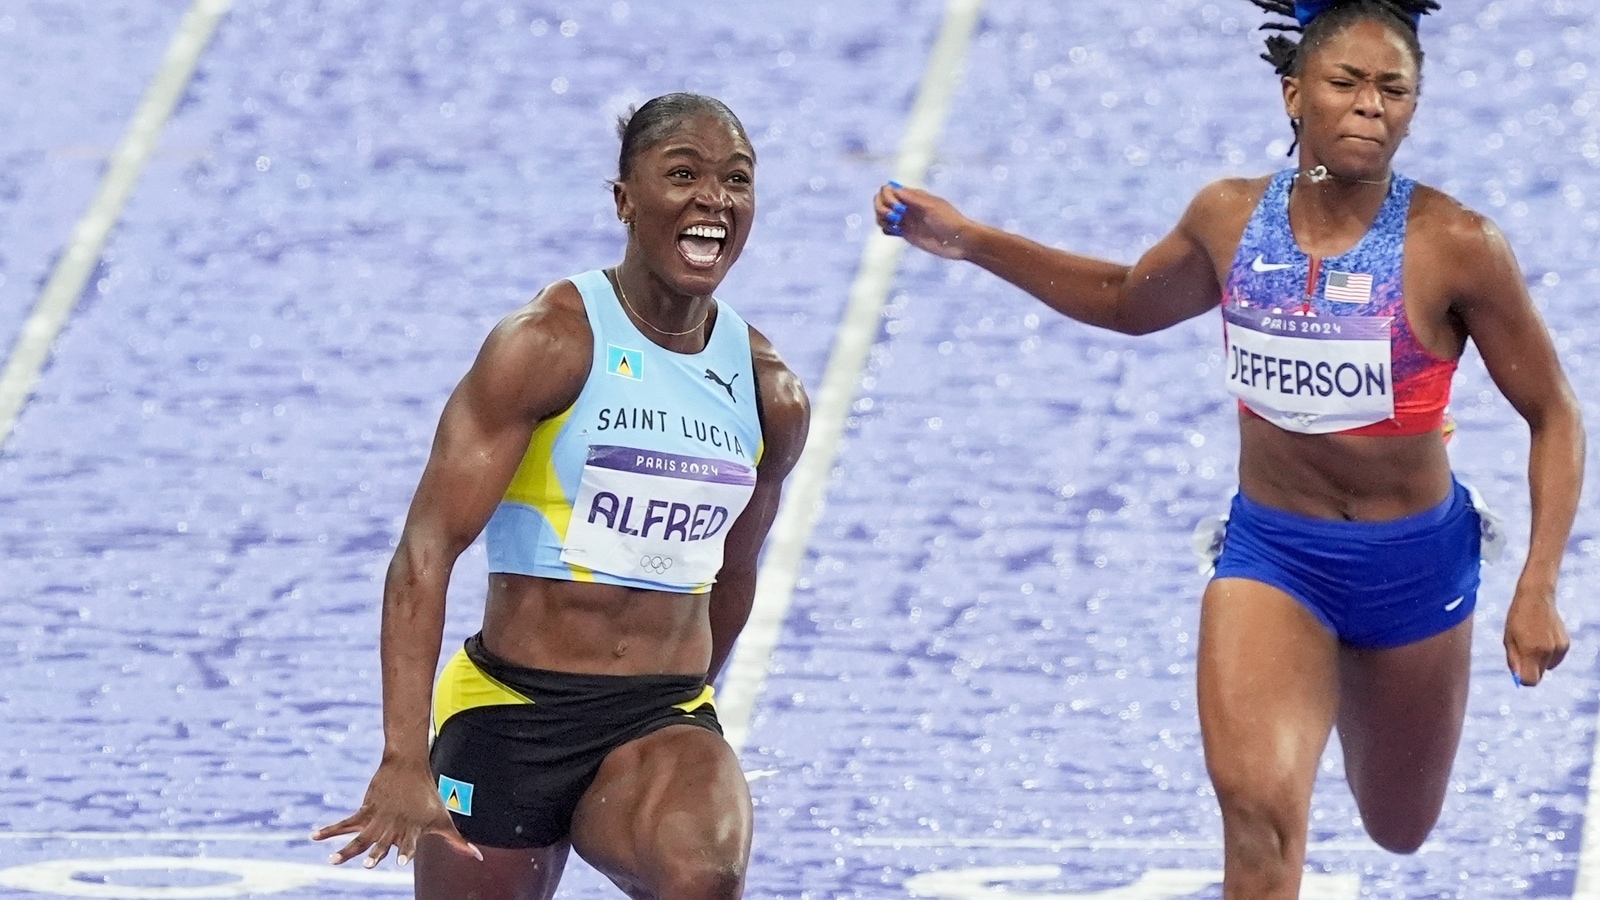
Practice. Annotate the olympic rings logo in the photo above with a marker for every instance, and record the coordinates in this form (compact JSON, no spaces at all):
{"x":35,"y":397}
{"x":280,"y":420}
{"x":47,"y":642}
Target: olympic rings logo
{"x":656,"y":564}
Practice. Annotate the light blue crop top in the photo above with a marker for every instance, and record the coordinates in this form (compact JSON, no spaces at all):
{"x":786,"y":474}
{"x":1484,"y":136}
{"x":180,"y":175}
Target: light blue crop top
{"x":636,"y":483}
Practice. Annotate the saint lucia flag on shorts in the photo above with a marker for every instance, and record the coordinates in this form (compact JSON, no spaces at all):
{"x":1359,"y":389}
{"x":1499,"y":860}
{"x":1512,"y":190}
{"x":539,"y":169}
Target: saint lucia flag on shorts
{"x":457,"y":795}
{"x":1348,"y":287}
{"x":627,"y":363}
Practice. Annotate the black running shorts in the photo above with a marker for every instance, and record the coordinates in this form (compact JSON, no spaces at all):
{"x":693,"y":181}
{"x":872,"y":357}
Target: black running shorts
{"x":516,"y":748}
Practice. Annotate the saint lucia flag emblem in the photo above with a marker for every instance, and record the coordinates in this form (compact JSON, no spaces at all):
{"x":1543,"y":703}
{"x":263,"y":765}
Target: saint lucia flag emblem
{"x":627,"y":363}
{"x":457,"y":795}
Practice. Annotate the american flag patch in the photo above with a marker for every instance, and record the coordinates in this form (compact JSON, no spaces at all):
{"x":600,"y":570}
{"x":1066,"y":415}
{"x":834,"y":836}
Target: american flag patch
{"x":1348,"y":287}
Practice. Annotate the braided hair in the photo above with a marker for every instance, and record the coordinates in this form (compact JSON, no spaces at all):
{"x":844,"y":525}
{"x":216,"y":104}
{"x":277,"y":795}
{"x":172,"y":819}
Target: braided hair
{"x":1318,"y":21}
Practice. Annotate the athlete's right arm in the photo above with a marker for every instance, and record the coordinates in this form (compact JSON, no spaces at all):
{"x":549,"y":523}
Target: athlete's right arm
{"x":1175,"y":280}
{"x":531,"y":367}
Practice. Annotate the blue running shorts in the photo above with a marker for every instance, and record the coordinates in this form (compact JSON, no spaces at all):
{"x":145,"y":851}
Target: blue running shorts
{"x":1373,"y":584}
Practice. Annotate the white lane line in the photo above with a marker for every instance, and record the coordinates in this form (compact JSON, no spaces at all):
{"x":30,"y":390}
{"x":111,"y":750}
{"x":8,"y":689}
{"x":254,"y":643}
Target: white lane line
{"x":1588,"y":885}
{"x":892,"y":842}
{"x":77,"y":262}
{"x":1150,"y":845}
{"x":162,"y":837}
{"x":808,"y":484}
{"x":239,"y":877}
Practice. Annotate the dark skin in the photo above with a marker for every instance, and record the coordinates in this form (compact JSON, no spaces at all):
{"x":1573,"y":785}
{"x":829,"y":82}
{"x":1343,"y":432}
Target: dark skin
{"x":700,"y":175}
{"x":1273,"y":682}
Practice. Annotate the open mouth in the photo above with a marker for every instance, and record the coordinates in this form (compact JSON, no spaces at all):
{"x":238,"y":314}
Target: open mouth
{"x":702,"y":245}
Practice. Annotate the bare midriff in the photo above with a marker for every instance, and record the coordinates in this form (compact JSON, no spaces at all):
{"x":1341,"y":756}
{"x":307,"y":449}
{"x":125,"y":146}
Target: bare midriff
{"x":599,"y":629}
{"x":1342,"y":476}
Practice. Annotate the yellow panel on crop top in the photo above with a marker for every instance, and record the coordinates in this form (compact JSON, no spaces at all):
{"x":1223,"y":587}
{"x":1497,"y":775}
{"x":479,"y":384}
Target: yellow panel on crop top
{"x":639,"y":480}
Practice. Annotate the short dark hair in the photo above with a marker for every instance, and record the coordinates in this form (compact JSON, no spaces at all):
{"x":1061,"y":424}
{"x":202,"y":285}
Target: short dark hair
{"x":648,"y":125}
{"x":1288,"y":55}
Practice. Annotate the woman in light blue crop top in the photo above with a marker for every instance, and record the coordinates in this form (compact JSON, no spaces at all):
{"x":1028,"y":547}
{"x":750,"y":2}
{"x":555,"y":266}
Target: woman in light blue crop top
{"x":1348,"y":568}
{"x":624,"y":437}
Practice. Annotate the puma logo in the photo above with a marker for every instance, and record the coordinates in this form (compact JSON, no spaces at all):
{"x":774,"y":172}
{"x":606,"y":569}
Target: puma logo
{"x":725,"y":385}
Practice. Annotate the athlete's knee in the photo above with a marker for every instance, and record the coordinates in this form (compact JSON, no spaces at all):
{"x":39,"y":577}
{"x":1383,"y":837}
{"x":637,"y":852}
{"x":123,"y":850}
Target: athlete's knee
{"x":1259,"y":794}
{"x":1398,"y":819}
{"x":1403,"y":835}
{"x":1262,"y":838}
{"x":1404,"y":844}
{"x":1264,"y":824}
{"x":703,"y":878}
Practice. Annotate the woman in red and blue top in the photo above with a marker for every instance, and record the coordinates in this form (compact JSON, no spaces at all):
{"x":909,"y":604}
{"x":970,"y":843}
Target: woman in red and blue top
{"x":1349,"y":562}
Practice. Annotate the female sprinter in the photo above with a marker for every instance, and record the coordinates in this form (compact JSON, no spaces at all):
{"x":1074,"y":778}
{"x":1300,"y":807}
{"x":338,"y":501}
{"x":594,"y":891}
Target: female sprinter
{"x":623,"y":438}
{"x":1347,"y":577}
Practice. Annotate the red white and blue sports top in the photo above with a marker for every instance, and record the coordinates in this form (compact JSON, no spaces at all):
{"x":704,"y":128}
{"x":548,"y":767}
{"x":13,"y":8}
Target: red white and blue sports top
{"x":1323,"y":346}
{"x":638,"y":482}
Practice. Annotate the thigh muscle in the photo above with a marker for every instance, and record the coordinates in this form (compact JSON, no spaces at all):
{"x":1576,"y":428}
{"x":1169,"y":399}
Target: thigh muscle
{"x":673,"y":797}
{"x":1268,"y":692}
{"x":1400,"y":720}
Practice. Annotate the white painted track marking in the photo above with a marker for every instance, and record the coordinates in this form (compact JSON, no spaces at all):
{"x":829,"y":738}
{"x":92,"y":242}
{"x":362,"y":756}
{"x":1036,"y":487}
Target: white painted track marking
{"x":247,"y":877}
{"x":1156,"y":884}
{"x":808,"y":484}
{"x":1588,"y":884}
{"x":163,"y":837}
{"x":78,"y":260}
{"x":1139,"y":845}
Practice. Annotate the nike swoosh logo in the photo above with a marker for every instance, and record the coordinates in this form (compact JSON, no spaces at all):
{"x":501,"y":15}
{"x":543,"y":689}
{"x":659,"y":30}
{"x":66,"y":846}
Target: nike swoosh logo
{"x":1261,"y":265}
{"x":1450,"y":607}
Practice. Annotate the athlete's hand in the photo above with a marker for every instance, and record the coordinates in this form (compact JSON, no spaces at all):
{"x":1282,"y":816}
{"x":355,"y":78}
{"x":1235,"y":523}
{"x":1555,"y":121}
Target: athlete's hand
{"x":1536,"y":640}
{"x":926,"y":221}
{"x":401,"y":806}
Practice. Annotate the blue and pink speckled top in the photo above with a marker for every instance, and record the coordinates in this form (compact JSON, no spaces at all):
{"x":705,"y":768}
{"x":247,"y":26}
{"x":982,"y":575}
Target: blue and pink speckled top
{"x":1274,"y":281}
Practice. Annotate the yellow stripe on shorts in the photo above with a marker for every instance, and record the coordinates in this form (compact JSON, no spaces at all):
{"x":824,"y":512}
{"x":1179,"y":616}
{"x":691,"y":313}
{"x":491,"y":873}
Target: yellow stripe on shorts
{"x":463,"y":686}
{"x":705,"y":698}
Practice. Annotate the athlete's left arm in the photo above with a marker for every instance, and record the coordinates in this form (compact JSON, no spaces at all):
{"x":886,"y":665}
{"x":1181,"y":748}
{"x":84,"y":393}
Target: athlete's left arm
{"x":785,"y":419}
{"x":1490,"y":298}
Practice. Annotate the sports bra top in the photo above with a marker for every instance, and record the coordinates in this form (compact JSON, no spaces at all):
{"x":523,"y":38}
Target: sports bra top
{"x":1323,"y":346}
{"x":637,"y":483}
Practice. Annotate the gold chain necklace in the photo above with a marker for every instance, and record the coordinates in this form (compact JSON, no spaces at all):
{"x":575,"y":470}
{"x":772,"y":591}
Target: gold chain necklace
{"x":624,"y":295}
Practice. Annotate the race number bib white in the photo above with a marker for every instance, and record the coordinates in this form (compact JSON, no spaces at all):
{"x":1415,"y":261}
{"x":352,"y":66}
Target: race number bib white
{"x":1310,"y":374}
{"x":655,"y":516}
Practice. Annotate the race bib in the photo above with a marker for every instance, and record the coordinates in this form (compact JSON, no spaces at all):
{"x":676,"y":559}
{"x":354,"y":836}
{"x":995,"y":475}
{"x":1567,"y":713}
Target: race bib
{"x":655,"y":516}
{"x":1309,"y":374}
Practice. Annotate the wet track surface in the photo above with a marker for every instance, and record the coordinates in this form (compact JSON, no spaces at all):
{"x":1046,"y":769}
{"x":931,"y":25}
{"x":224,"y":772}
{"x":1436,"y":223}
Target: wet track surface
{"x":990,"y":659}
